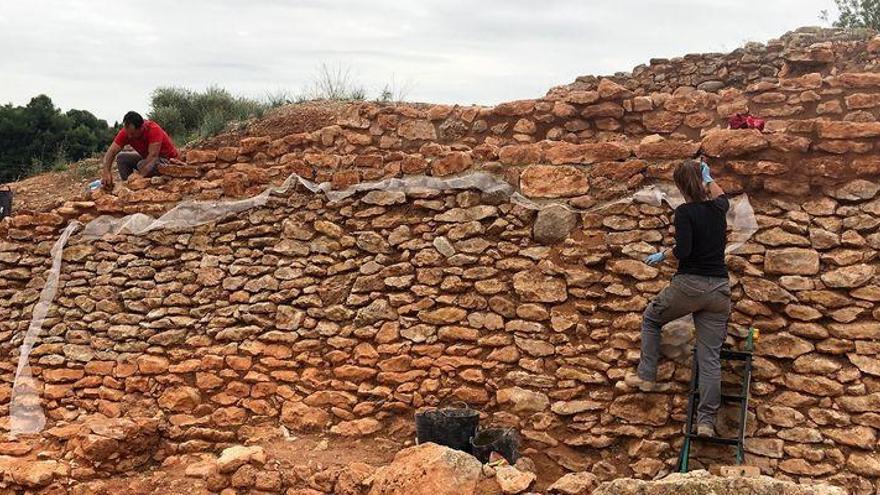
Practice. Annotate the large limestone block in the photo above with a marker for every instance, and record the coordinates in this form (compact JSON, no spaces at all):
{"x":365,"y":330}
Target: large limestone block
{"x":544,"y":181}
{"x":534,"y":286}
{"x":428,"y":469}
{"x":642,"y":409}
{"x":849,"y":130}
{"x":417,"y":130}
{"x":792,"y":261}
{"x":567,"y":153}
{"x":783,"y":345}
{"x":702,"y":482}
{"x":725,"y":143}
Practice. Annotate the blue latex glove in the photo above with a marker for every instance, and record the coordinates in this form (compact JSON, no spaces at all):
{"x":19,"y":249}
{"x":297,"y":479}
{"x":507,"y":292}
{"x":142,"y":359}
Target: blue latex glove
{"x":655,"y":258}
{"x":707,"y":177}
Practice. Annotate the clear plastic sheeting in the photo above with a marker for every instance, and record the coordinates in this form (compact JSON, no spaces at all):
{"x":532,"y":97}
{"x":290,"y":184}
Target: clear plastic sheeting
{"x":26,"y":413}
{"x":481,"y":181}
{"x":189,"y":214}
{"x":742,"y":222}
{"x":740,"y":217}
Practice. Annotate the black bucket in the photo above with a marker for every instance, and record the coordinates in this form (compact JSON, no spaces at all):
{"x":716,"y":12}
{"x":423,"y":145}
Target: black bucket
{"x":451,"y":427}
{"x":505,"y":441}
{"x":5,"y":202}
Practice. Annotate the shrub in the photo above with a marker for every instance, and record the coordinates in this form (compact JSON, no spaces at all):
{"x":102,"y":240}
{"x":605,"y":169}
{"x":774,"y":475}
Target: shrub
{"x":334,"y":83}
{"x":190,"y":115}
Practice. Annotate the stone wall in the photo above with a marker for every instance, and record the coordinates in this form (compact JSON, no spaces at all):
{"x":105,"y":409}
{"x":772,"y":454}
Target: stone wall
{"x":346,"y":316}
{"x":808,"y":49}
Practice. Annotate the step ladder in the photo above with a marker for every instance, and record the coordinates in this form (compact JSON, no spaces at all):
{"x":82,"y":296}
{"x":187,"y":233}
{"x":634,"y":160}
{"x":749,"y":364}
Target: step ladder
{"x":743,"y":400}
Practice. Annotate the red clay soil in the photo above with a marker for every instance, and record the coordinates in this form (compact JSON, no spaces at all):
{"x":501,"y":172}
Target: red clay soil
{"x":47,"y":191}
{"x":290,"y":119}
{"x":301,"y":453}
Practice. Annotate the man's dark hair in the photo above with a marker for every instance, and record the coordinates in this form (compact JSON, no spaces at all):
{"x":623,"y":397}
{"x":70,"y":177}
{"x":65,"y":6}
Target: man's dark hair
{"x":134,"y":119}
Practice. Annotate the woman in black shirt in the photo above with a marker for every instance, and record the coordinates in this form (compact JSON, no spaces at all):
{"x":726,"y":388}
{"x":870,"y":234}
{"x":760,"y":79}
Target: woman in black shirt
{"x":700,"y":287}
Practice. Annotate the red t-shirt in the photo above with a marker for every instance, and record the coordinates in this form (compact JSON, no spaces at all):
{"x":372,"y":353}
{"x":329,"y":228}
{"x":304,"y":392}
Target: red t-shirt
{"x":152,"y":134}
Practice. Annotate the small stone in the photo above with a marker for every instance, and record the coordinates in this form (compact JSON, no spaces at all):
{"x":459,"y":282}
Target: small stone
{"x":553,"y":224}
{"x":581,"y":483}
{"x":849,"y":276}
{"x":234,"y":457}
{"x":635,"y":269}
{"x":443,"y":246}
{"x":523,"y":400}
{"x":357,"y":428}
{"x":384,"y":198}
{"x":512,"y":480}
{"x":864,"y":463}
{"x":180,"y":399}
{"x":857,"y":190}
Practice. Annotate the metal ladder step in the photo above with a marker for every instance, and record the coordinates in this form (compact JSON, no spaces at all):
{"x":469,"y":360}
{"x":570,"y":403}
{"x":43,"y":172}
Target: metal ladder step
{"x":731,"y":355}
{"x":724,"y":397}
{"x":742,"y":399}
{"x":718,"y":440}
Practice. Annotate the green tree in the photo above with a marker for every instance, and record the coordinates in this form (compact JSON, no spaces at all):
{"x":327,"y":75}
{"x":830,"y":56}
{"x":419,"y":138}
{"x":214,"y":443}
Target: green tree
{"x":37,"y":137}
{"x":857,"y":14}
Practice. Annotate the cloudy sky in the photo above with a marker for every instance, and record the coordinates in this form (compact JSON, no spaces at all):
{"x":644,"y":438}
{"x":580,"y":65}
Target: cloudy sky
{"x":106,"y":56}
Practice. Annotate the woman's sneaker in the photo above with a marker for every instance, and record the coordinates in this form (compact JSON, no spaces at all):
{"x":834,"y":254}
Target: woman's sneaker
{"x":635,"y":381}
{"x":705,"y":430}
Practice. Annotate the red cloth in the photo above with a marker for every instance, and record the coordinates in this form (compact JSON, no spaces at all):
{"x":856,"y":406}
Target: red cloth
{"x":152,"y":134}
{"x":740,"y":121}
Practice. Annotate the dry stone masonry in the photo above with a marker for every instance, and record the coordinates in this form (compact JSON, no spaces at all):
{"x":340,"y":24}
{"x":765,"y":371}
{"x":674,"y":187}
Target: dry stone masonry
{"x":344,"y":317}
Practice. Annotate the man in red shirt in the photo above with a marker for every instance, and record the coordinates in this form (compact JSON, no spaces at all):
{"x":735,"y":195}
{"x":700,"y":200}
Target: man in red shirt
{"x":152,"y":146}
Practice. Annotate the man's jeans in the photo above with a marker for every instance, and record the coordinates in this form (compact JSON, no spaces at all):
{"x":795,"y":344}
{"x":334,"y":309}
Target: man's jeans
{"x":131,"y":161}
{"x":708,"y":298}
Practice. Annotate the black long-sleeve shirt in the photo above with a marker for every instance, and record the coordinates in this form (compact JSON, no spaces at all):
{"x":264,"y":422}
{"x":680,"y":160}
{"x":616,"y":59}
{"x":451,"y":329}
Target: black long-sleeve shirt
{"x":701,"y":236}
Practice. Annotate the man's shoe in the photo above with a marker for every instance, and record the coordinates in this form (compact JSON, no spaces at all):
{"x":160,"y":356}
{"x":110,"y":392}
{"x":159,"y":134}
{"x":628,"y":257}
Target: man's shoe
{"x":635,"y":381}
{"x":705,"y":430}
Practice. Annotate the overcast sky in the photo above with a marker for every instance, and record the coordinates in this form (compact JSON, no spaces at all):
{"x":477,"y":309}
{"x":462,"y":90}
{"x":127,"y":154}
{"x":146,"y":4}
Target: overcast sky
{"x":106,"y":56}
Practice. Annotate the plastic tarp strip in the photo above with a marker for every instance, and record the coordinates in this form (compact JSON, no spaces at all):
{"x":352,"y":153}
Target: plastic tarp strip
{"x":26,"y":414}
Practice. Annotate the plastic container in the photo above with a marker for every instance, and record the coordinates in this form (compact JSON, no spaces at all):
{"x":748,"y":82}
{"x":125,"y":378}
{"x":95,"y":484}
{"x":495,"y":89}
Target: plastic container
{"x":505,"y":441}
{"x":5,"y":202}
{"x":94,"y":185}
{"x":451,"y":427}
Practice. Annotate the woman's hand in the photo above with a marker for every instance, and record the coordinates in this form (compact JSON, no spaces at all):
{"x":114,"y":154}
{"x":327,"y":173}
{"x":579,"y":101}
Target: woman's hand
{"x":704,"y":170}
{"x":655,"y":258}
